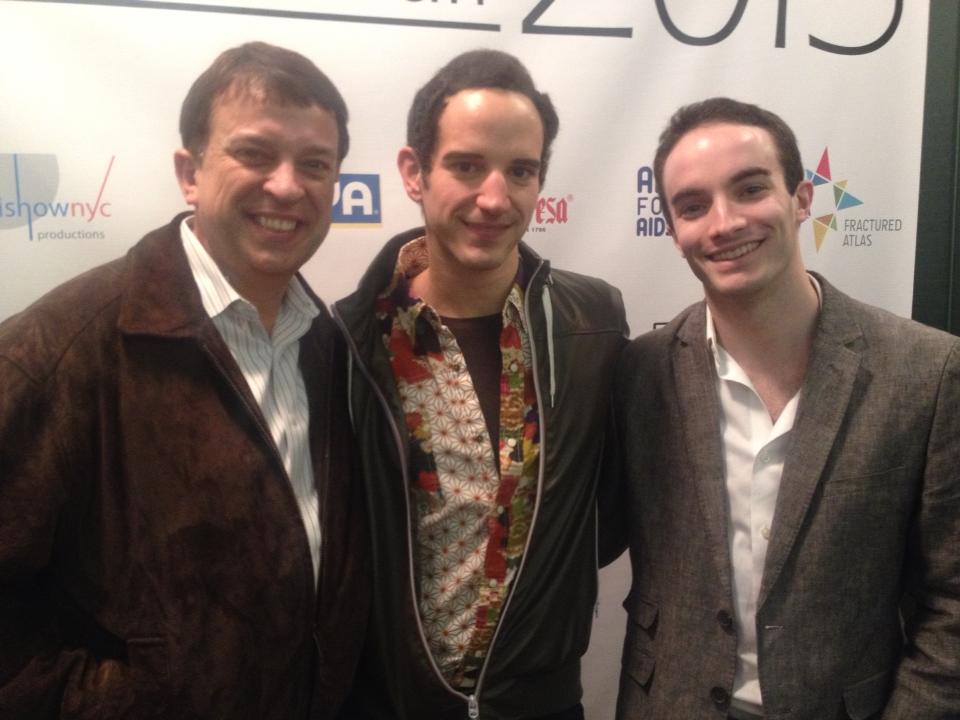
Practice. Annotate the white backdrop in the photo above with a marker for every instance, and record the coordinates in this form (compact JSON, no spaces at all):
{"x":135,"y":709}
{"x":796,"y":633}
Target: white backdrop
{"x":90,"y":95}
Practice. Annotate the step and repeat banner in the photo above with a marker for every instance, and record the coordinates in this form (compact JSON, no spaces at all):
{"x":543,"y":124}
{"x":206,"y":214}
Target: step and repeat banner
{"x":90,"y":95}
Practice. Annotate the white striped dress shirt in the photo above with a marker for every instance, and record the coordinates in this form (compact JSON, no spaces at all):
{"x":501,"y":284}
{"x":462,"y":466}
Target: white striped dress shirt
{"x":270,"y":365}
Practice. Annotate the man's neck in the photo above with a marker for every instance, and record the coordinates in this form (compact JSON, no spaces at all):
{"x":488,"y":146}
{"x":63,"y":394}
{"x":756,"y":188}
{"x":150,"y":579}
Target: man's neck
{"x":770,"y":337}
{"x":464,"y":294}
{"x":267,"y":301}
{"x":265,"y":296}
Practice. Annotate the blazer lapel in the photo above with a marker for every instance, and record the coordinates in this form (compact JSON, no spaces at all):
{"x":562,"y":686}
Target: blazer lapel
{"x":694,"y":376}
{"x":826,"y":392}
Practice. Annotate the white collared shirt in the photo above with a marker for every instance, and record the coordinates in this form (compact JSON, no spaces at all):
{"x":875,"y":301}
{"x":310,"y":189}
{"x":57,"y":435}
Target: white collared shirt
{"x":754,"y":451}
{"x":270,"y":365}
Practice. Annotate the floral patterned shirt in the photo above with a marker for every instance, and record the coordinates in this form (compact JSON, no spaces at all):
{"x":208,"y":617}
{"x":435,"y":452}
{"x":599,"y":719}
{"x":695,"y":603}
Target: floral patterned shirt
{"x":473,"y":506}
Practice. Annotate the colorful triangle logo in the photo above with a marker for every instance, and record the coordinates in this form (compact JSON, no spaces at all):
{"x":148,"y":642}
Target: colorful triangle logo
{"x":821,"y":226}
{"x":842,"y":199}
{"x":823,"y":169}
{"x":846,"y":200}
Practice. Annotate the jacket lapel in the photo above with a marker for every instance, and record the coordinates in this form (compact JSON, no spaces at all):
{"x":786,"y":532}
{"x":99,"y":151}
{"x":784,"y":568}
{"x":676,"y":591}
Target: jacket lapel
{"x":826,"y":392}
{"x":694,"y":376}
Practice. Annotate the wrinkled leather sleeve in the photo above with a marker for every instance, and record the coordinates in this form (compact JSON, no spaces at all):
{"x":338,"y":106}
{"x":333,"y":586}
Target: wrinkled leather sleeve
{"x":42,"y":673}
{"x":612,"y":532}
{"x":611,"y":494}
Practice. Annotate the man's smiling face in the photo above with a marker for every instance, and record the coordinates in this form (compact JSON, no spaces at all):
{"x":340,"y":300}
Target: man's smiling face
{"x":262,"y":188}
{"x":734,"y":219}
{"x":483,"y":183}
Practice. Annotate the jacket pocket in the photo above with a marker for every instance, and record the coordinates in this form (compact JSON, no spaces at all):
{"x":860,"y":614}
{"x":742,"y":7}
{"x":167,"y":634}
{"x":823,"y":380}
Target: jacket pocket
{"x":867,"y":697}
{"x":133,"y":687}
{"x":876,"y":483}
{"x":638,"y":647}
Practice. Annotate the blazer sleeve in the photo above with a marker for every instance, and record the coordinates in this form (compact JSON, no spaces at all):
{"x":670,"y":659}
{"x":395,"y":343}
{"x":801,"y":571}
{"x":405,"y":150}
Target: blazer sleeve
{"x":927,"y":681}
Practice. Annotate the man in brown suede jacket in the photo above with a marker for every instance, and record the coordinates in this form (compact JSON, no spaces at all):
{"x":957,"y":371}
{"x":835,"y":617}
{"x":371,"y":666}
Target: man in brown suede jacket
{"x":179,"y":533}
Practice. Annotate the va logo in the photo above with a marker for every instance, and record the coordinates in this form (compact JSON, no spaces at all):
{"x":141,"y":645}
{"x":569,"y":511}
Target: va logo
{"x":356,"y":200}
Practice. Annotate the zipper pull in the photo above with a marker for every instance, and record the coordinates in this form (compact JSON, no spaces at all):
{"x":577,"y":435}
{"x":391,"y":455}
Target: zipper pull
{"x":473,"y":707}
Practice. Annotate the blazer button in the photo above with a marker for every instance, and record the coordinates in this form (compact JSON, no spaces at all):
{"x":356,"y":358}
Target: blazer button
{"x":720,"y":697}
{"x":725,"y":620}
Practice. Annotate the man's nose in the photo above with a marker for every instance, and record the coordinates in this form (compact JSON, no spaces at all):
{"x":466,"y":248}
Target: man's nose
{"x":284,"y":183}
{"x":493,"y":195}
{"x":725,"y":218}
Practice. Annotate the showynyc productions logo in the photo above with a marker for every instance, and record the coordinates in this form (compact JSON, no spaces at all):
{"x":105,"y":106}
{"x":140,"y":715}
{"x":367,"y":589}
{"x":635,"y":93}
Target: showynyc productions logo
{"x":834,"y":217}
{"x":31,"y":202}
{"x":356,"y":201}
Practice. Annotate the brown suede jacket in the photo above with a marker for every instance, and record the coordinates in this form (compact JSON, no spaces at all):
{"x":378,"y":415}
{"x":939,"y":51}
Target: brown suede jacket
{"x":153,"y":561}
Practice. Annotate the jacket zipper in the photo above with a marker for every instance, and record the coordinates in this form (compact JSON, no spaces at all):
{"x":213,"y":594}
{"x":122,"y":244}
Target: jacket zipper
{"x":473,"y":707}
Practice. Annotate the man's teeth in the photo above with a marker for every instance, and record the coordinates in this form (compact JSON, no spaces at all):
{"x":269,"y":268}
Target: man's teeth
{"x":277,"y":224}
{"x":736,"y":252}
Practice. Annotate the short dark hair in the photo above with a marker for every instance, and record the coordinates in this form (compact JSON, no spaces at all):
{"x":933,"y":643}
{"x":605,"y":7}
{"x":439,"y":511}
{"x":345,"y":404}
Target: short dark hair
{"x":476,"y":69}
{"x":725,"y":110}
{"x":257,"y":68}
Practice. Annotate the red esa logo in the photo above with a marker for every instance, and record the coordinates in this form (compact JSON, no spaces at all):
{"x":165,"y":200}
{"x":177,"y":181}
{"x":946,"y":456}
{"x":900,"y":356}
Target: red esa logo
{"x":552,"y":211}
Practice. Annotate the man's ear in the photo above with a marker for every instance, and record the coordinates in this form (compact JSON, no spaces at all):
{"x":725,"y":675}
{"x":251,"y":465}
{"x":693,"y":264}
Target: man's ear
{"x":186,"y":166}
{"x":804,"y":196}
{"x":411,"y":173}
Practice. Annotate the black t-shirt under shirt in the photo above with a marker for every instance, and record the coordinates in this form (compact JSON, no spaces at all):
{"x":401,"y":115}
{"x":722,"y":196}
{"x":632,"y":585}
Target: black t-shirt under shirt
{"x":479,"y":341}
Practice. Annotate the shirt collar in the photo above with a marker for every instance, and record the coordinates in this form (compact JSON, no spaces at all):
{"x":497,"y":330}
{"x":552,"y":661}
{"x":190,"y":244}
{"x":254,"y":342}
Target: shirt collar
{"x":413,"y":259}
{"x":216,"y":292}
{"x":721,"y":358}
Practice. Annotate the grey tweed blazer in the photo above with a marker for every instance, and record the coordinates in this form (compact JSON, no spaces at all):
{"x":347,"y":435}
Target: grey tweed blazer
{"x":859,"y":608}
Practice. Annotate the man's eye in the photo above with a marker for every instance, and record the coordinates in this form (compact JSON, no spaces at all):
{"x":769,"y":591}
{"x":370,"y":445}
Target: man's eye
{"x":251,"y":155}
{"x":523,"y":173}
{"x":464,"y":167}
{"x":318,"y":167}
{"x":690,"y":210}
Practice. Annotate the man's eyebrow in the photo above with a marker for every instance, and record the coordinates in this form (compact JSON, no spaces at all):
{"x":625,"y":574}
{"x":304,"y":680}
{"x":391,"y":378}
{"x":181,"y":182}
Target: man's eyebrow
{"x":531,"y":163}
{"x":457,"y":155}
{"x":750,"y":172}
{"x":257,"y":138}
{"x":320,"y":150}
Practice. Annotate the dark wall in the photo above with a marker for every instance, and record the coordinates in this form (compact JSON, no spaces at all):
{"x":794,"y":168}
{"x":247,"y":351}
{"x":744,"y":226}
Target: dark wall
{"x":936,"y":285}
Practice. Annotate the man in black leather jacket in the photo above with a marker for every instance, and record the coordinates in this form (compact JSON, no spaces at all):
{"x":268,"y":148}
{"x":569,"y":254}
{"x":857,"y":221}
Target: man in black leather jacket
{"x":479,"y":394}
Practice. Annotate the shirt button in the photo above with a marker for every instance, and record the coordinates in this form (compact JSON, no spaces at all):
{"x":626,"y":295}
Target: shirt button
{"x":512,"y":442}
{"x":725,"y":620}
{"x":765,"y":532}
{"x":720,"y":697}
{"x":513,"y":367}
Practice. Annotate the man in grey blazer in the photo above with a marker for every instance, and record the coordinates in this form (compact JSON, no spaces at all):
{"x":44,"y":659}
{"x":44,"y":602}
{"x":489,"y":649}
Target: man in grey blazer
{"x":791,"y":461}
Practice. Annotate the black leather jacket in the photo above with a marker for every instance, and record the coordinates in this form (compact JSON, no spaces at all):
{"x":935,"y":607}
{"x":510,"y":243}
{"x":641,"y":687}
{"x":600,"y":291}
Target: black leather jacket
{"x":577,"y":328}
